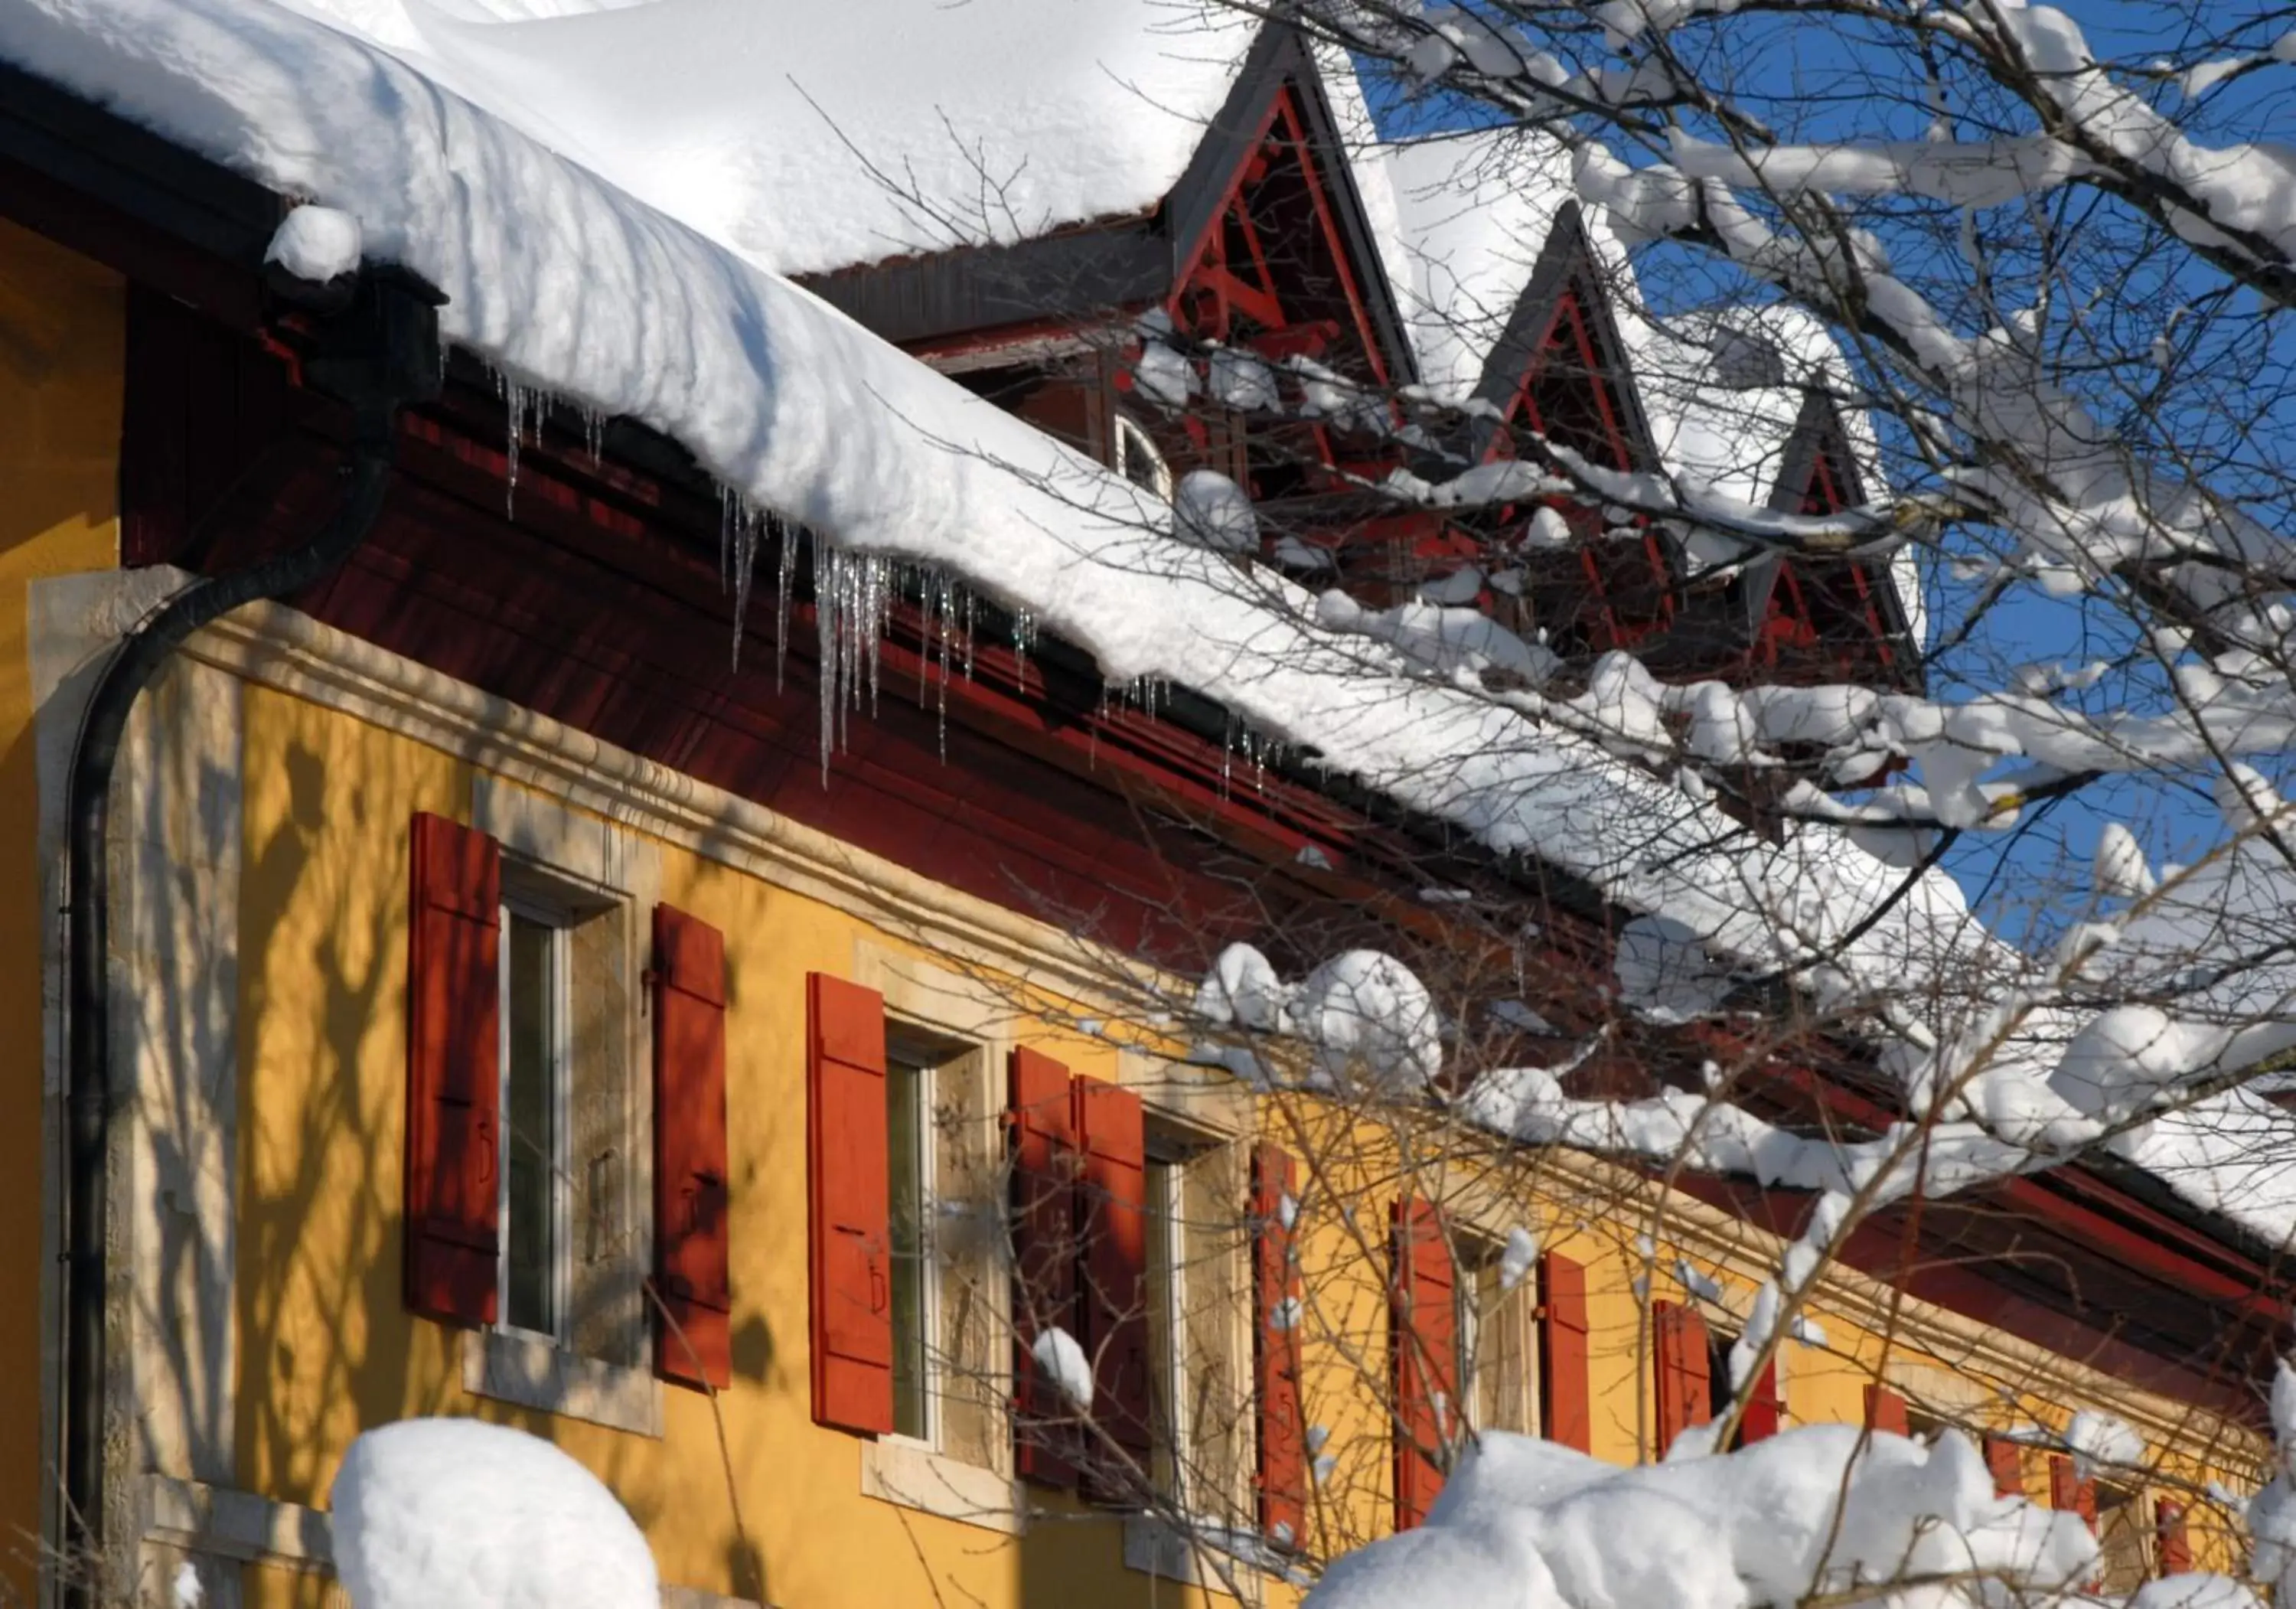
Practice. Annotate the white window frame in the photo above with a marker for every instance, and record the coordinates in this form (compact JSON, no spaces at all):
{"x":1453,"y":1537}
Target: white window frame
{"x":556,"y":921}
{"x":1130,"y":436}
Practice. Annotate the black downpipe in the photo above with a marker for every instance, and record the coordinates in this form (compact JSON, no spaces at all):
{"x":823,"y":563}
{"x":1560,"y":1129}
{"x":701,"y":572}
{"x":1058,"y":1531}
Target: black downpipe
{"x":378,"y":355}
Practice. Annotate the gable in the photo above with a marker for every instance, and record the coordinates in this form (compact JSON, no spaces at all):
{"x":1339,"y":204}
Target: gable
{"x":1271,"y":157}
{"x":1836,"y":618}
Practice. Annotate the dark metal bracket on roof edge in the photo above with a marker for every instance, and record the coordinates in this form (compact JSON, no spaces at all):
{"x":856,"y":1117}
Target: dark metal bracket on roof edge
{"x":378,"y":352}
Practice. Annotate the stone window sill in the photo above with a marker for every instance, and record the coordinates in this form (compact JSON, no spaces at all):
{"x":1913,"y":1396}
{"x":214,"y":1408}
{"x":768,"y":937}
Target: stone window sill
{"x":532,"y":1373}
{"x":913,"y":1475}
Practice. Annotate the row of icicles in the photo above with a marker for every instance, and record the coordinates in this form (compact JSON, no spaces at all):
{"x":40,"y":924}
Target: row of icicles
{"x":854,"y":598}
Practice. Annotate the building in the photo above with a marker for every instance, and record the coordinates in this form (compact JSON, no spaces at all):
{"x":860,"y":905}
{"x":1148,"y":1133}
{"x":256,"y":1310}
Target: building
{"x":736,"y":1069}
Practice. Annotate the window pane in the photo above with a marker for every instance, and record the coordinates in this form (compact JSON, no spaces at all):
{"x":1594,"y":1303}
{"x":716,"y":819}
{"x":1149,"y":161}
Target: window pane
{"x":1464,"y":1411}
{"x":530,"y":1127}
{"x":905,"y":1121}
{"x":2123,"y":1539}
{"x":1165,"y":1367}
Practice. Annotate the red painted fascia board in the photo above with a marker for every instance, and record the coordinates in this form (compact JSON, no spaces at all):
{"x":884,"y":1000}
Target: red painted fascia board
{"x":2090,"y":1209}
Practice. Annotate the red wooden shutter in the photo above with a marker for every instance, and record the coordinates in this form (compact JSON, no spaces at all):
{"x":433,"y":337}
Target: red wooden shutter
{"x":1275,"y":1347}
{"x":1766,"y":1407}
{"x":1885,"y":1410}
{"x":1044,"y":1259}
{"x":1423,"y":1349}
{"x":693,"y":1251}
{"x":2070,"y":1493}
{"x":851,"y":1237}
{"x":2175,"y":1540}
{"x":2008,"y":1467}
{"x":454,"y":1072}
{"x":1112,"y":1225}
{"x":1685,"y":1384}
{"x":1566,"y":1414}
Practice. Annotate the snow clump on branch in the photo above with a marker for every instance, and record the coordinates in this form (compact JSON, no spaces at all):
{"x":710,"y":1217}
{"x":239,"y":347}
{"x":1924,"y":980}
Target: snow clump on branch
{"x":1363,"y":1013}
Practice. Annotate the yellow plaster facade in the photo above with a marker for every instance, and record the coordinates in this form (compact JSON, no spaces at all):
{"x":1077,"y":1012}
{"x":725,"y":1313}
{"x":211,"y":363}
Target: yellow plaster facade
{"x":326,"y":1349}
{"x":63,"y":347}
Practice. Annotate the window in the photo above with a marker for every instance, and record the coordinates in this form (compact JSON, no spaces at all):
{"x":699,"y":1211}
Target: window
{"x":534,"y":1140}
{"x":1167,"y":1278}
{"x":571,"y":1330}
{"x":1765,"y":1408}
{"x":1138,"y":458}
{"x":945,"y":1218}
{"x":571,"y":1261}
{"x":2124,"y":1539}
{"x":1718,"y":1394}
{"x":1498,"y":1343}
{"x":1198,"y":1313}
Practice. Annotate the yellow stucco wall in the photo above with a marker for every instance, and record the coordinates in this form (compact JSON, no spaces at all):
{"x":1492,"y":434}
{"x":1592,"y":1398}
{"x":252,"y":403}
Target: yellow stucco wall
{"x":62,"y":345}
{"x":326,"y":1349}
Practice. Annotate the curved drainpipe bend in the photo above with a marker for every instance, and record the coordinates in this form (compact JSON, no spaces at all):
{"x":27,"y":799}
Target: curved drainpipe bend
{"x":379,"y":354}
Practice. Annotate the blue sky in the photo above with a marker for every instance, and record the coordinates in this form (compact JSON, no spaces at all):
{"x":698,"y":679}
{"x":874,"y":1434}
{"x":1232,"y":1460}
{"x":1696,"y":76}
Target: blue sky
{"x":1817,"y":81}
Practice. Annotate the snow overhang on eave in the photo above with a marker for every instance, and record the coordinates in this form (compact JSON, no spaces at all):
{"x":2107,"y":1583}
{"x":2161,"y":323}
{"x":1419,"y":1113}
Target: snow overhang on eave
{"x":121,"y":195}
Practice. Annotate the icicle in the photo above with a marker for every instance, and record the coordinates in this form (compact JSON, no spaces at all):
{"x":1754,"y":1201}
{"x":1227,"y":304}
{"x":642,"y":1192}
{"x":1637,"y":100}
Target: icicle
{"x":740,"y":527}
{"x":517,"y":399}
{"x":787,"y":574}
{"x":955,"y":611}
{"x":853,"y":602}
{"x":1024,"y":638}
{"x":594,"y":434}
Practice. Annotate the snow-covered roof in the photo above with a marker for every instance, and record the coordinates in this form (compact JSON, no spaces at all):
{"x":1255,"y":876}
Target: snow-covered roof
{"x":1470,"y":214}
{"x":1464,"y":218}
{"x":812,"y":137}
{"x":567,"y":281}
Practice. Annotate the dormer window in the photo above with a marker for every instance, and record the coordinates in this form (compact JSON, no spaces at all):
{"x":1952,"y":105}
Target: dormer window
{"x":1139,"y":459}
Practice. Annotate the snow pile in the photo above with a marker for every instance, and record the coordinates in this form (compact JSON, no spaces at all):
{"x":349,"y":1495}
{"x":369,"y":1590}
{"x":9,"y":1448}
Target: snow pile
{"x":1450,"y":641}
{"x":454,"y":1513}
{"x":2197,"y":1591}
{"x":1526,"y":1524}
{"x":2272,"y":1513}
{"x":318,"y":243}
{"x":1060,"y":1359}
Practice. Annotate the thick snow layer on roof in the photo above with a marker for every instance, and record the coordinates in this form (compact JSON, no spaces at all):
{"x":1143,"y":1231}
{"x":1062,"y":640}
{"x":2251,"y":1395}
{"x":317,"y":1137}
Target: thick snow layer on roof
{"x":1723,"y":389}
{"x":1470,"y":212}
{"x":568,"y":282}
{"x":810,"y":137}
{"x":1463,"y":219}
